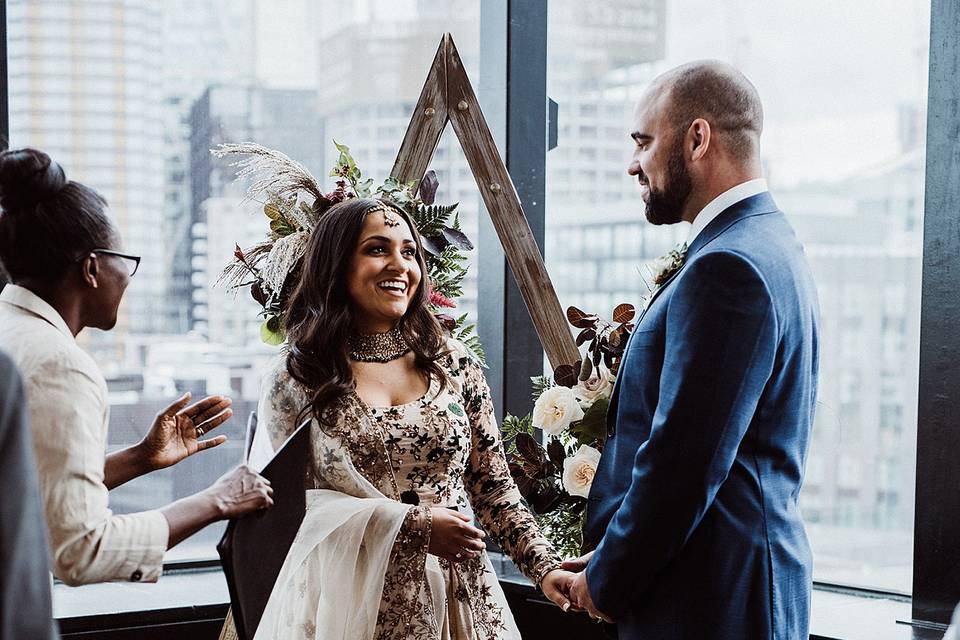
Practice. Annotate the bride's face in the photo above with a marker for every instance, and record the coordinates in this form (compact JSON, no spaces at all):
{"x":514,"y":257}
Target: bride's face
{"x":384,"y":273}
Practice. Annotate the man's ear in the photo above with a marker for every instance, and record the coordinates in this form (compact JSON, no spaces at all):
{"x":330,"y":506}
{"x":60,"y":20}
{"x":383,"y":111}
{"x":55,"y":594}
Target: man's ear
{"x":699,"y":138}
{"x":90,"y":270}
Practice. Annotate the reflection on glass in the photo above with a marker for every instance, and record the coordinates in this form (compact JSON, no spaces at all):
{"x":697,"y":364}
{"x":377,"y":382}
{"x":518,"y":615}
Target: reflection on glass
{"x":129,"y":97}
{"x":844,"y":93}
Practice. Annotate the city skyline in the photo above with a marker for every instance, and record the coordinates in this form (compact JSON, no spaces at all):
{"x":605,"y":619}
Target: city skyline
{"x":844,"y":162}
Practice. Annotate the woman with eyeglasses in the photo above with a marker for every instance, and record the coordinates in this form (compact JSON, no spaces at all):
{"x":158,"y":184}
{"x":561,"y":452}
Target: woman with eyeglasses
{"x":68,"y":271}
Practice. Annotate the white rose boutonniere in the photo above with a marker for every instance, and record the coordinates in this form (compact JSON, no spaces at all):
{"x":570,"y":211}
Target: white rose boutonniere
{"x":555,"y":409}
{"x":579,"y":470}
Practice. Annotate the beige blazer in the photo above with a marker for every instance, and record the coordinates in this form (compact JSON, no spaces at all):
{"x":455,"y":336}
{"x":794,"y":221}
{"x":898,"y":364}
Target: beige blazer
{"x":69,"y":415}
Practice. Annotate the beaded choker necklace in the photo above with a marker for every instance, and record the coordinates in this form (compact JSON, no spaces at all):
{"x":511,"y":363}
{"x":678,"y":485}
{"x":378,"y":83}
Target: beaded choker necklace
{"x":378,"y":347}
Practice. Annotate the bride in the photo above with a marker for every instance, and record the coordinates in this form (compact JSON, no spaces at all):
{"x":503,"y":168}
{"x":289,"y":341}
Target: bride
{"x":402,"y":436}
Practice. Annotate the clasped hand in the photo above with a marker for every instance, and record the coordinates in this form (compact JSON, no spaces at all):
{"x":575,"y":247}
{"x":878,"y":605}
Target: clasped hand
{"x":569,"y":590}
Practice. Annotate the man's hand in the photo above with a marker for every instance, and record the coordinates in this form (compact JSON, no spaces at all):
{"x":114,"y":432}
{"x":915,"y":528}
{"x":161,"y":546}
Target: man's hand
{"x":580,"y":596}
{"x":577,"y":564}
{"x":176,"y":431}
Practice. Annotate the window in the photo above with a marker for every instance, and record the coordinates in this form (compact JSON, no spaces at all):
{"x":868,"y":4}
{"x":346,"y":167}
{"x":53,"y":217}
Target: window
{"x":844,"y":155}
{"x":150,"y":88}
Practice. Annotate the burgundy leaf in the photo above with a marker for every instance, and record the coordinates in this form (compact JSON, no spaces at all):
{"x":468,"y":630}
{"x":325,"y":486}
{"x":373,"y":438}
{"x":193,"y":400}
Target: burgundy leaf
{"x":457,"y":238}
{"x":565,"y":376}
{"x":434,"y":245}
{"x":428,"y":187}
{"x":557,"y":453}
{"x":530,"y":451}
{"x":624,"y":313}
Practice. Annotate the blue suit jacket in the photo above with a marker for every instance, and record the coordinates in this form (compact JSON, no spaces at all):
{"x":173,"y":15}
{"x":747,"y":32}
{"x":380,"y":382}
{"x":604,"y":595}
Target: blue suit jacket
{"x":694,"y":504}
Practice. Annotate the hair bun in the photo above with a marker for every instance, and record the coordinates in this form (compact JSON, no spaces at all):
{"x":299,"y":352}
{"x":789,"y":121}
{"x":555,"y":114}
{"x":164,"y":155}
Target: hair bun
{"x":27,"y":177}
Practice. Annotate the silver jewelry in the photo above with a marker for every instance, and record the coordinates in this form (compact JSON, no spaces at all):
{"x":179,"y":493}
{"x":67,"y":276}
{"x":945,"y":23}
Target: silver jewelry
{"x":458,"y":555}
{"x":378,"y":347}
{"x":200,"y":432}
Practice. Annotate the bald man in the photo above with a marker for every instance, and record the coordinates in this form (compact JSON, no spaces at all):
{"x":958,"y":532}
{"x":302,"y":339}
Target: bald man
{"x":693,"y":510}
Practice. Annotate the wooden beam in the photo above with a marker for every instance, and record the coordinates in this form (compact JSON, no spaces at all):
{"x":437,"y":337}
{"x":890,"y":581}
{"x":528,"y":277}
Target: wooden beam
{"x":500,"y":197}
{"x":427,"y":122}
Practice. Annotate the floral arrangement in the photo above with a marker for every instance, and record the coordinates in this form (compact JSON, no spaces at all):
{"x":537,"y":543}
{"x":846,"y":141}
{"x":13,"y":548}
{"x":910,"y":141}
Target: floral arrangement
{"x":570,"y":409}
{"x":294,"y":201}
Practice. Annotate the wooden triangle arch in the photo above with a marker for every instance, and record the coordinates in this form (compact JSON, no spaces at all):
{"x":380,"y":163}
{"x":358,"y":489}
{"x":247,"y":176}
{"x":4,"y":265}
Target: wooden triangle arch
{"x":447,"y":96}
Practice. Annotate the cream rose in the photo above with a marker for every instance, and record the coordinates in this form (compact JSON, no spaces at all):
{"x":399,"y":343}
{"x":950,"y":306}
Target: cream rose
{"x":599,"y":385}
{"x":579,"y":469}
{"x":555,"y":409}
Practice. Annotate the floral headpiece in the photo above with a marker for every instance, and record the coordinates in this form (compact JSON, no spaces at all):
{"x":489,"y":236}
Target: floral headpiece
{"x":294,"y":201}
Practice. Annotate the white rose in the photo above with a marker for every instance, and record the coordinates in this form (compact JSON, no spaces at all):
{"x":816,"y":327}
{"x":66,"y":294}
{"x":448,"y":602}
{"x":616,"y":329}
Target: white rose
{"x":555,"y":409}
{"x":579,"y":469}
{"x":599,"y":385}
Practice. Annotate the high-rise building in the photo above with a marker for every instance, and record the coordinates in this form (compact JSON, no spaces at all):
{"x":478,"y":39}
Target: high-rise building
{"x":283,"y":119}
{"x":204,"y":43}
{"x":83,"y":88}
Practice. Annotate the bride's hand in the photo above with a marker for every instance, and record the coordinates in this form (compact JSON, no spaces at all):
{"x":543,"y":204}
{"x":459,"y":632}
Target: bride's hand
{"x":452,"y":536}
{"x":556,"y":586}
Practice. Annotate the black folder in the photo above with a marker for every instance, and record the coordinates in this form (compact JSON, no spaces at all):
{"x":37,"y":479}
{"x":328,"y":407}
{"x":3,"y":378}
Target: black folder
{"x":254,"y":547}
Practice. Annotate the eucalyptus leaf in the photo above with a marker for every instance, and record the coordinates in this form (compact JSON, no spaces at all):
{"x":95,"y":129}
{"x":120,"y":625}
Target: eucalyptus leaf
{"x":271,"y":332}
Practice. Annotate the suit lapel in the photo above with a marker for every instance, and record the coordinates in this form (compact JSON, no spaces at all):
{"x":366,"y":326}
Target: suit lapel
{"x":754,"y":205}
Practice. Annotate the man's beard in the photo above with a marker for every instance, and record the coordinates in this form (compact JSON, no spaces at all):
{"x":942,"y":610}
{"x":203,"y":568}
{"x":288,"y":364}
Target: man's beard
{"x":666,"y":206}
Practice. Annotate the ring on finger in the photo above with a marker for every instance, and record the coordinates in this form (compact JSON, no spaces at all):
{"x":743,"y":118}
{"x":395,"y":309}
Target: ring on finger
{"x":200,"y":432}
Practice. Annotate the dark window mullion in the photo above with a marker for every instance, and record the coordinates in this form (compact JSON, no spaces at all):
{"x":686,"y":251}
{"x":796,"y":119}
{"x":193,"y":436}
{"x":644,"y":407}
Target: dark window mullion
{"x":936,"y":556}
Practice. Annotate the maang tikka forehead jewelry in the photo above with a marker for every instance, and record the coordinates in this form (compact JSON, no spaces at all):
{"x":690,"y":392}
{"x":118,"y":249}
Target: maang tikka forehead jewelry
{"x":390,"y":217}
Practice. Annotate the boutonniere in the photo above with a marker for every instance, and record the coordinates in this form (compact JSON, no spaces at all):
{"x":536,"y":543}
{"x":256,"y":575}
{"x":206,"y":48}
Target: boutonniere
{"x":663,"y":268}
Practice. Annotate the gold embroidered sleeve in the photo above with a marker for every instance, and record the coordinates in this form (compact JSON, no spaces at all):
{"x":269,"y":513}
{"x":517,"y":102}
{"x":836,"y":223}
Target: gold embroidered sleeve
{"x":403,"y":582}
{"x":493,"y":493}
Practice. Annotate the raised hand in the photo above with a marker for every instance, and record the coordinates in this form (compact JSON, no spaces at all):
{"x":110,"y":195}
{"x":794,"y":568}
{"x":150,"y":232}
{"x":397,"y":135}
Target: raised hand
{"x":453,"y":537}
{"x":176,"y":431}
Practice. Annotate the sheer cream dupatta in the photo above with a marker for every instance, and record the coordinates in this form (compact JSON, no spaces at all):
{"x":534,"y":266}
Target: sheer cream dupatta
{"x":331,"y":582}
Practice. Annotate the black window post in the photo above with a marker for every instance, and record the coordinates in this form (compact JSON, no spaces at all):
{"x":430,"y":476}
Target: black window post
{"x":936,"y":555}
{"x":516,"y":31}
{"x":4,"y":80}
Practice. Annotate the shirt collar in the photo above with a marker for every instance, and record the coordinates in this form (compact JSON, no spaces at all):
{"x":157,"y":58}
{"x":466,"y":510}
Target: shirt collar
{"x":722,"y":202}
{"x":29,"y":301}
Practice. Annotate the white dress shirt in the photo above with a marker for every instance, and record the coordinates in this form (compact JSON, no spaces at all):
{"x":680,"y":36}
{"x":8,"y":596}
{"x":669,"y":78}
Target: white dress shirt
{"x":722,"y":202}
{"x":69,"y":415}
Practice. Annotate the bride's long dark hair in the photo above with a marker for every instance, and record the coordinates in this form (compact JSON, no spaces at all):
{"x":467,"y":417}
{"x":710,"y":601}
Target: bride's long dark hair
{"x":320,"y":314}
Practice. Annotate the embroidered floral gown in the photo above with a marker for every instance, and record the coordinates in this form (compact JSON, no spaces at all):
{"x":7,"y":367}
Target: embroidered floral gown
{"x":446,"y":447}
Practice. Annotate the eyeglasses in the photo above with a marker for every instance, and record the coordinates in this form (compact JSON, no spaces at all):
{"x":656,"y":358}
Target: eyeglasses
{"x":132,"y":262}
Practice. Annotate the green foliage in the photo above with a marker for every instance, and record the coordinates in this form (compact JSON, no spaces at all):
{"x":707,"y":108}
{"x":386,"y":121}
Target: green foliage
{"x":592,"y":427}
{"x":466,"y":333}
{"x":512,"y":427}
{"x":431,"y":219}
{"x":540,"y":384}
{"x":564,"y":528}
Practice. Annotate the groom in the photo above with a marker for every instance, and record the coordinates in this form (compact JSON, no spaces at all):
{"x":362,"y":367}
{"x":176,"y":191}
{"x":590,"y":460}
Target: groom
{"x":693,"y":510}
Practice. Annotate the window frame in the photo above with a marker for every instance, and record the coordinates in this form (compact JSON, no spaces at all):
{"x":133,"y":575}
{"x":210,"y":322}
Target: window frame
{"x":513,"y":81}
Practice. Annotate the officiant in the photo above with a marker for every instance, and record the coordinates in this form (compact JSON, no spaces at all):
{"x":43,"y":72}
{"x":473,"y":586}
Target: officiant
{"x":68,"y":271}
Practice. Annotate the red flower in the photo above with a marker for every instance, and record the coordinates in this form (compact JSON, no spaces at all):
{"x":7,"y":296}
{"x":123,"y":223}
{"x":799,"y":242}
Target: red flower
{"x":437,"y":299}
